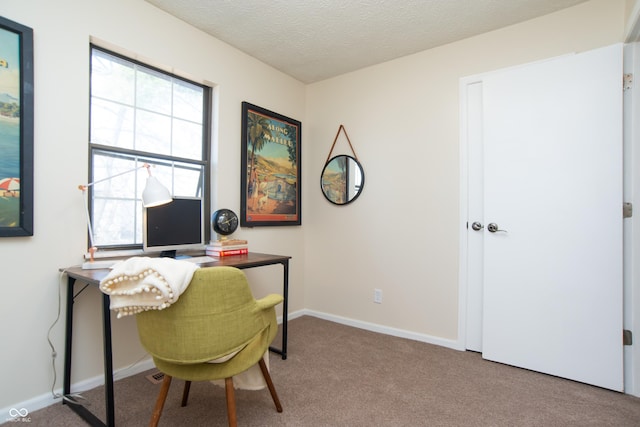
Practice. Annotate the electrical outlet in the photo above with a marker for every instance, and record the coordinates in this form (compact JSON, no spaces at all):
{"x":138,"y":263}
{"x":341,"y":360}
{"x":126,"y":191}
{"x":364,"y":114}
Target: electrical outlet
{"x":377,"y":296}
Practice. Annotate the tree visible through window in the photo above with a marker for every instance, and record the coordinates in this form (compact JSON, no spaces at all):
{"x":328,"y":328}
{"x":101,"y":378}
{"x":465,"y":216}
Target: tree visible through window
{"x":142,"y":115}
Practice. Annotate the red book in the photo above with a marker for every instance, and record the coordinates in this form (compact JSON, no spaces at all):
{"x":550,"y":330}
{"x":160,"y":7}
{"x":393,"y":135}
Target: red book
{"x":223,"y":253}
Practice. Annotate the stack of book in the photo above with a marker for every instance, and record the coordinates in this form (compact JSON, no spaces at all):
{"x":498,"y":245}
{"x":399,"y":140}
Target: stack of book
{"x":228,"y":247}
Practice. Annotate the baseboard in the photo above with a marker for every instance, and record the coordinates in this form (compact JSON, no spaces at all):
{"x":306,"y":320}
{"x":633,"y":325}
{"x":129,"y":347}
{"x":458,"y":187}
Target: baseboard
{"x":373,"y":327}
{"x":47,"y":399}
{"x":293,"y":315}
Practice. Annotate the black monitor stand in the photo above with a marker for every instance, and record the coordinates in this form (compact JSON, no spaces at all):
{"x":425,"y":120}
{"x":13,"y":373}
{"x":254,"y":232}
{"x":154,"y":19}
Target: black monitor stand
{"x":168,"y":254}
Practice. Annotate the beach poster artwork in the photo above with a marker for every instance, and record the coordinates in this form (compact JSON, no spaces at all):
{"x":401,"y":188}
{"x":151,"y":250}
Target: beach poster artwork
{"x":271,"y":168}
{"x":9,"y":129}
{"x":16,"y":129}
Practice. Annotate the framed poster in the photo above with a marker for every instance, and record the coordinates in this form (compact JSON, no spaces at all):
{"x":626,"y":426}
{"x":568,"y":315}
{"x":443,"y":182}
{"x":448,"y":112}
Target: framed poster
{"x":270,"y":168}
{"x":16,"y":129}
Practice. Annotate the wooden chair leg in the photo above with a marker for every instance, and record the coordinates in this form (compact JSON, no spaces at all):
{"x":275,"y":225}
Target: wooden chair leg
{"x":272,"y":389}
{"x":162,"y":396}
{"x":231,"y":402}
{"x":185,"y":393}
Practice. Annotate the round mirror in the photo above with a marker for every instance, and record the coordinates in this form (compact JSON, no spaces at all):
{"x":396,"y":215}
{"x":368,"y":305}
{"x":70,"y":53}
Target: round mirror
{"x":342,"y":180}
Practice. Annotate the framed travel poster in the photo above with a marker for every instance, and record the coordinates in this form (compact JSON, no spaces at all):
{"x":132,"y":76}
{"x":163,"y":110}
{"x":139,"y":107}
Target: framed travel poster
{"x":270,"y":168}
{"x":16,"y":129}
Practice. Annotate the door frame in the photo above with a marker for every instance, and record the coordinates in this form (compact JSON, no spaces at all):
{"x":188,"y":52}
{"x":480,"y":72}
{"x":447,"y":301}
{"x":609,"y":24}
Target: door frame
{"x":631,"y":233}
{"x":631,"y":191}
{"x":631,"y":187}
{"x":463,"y":276}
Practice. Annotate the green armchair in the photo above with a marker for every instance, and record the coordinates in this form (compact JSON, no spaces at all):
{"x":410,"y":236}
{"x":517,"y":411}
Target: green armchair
{"x":215,"y":317}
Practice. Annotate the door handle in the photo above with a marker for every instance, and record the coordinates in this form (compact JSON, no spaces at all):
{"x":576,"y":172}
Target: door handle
{"x":493,"y":228}
{"x":477,"y":226}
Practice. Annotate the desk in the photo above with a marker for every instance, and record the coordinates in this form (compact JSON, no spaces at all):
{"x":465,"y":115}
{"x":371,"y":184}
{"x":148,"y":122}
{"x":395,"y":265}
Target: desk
{"x":93,"y":277}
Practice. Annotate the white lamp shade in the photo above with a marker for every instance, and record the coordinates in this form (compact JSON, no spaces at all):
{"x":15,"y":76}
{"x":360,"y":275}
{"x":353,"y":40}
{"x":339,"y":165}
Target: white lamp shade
{"x":155,"y":194}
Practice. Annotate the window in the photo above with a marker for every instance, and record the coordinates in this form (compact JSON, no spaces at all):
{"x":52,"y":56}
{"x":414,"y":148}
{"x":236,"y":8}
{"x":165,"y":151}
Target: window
{"x":142,"y":115}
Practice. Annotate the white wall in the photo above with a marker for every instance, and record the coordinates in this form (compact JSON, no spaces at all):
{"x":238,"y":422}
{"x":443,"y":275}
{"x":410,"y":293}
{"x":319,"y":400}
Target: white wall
{"x":402,"y":233}
{"x":29,"y":268}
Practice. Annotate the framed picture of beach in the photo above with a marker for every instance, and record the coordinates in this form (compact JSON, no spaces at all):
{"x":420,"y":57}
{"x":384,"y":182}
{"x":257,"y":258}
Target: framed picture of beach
{"x":16,"y":129}
{"x":270,"y":169}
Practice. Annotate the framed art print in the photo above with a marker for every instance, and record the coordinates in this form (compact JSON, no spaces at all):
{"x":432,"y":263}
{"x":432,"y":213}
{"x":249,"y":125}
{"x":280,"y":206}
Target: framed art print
{"x":270,"y":168}
{"x":16,"y":129}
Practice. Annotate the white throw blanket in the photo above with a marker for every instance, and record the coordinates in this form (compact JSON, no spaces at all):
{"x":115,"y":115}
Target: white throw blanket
{"x":141,"y":283}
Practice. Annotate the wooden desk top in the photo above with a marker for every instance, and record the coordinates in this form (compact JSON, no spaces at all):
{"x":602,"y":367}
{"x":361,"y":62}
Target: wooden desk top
{"x":252,"y":259}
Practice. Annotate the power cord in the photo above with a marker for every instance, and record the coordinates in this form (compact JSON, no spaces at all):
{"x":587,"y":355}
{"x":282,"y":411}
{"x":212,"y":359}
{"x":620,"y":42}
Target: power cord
{"x":73,"y":398}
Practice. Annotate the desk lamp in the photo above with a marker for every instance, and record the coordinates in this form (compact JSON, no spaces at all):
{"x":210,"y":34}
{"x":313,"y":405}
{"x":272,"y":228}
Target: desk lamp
{"x":154,"y":194}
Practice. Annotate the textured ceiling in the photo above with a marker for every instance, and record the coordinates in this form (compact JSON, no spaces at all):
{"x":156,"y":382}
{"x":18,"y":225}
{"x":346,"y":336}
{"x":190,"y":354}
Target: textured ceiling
{"x":313,"y":40}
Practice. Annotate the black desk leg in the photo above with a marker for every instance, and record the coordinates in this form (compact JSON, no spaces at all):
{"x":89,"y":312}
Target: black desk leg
{"x":108,"y":361}
{"x":285,"y":311}
{"x":66,"y":385}
{"x":79,"y":409}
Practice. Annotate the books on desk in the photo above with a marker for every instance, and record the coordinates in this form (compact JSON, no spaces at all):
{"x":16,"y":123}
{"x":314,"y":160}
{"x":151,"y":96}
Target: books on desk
{"x":222,"y":248}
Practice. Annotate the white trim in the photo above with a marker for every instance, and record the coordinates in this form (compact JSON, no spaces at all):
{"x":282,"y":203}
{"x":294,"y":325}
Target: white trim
{"x":293,"y":315}
{"x":627,"y":223}
{"x":631,"y":235}
{"x":374,"y":327}
{"x":47,"y":399}
{"x":464,"y":214}
{"x":464,"y":210}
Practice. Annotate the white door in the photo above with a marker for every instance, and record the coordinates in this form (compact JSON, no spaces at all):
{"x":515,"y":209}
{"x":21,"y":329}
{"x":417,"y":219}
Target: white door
{"x":552,"y":169}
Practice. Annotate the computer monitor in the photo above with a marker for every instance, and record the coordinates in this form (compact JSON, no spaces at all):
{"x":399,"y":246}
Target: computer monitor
{"x":173,"y":227}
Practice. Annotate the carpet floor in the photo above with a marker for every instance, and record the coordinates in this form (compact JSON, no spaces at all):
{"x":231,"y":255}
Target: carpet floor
{"x":336,"y":375}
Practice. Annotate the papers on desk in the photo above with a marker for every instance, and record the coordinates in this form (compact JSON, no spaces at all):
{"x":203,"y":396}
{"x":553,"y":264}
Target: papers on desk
{"x":199,"y":259}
